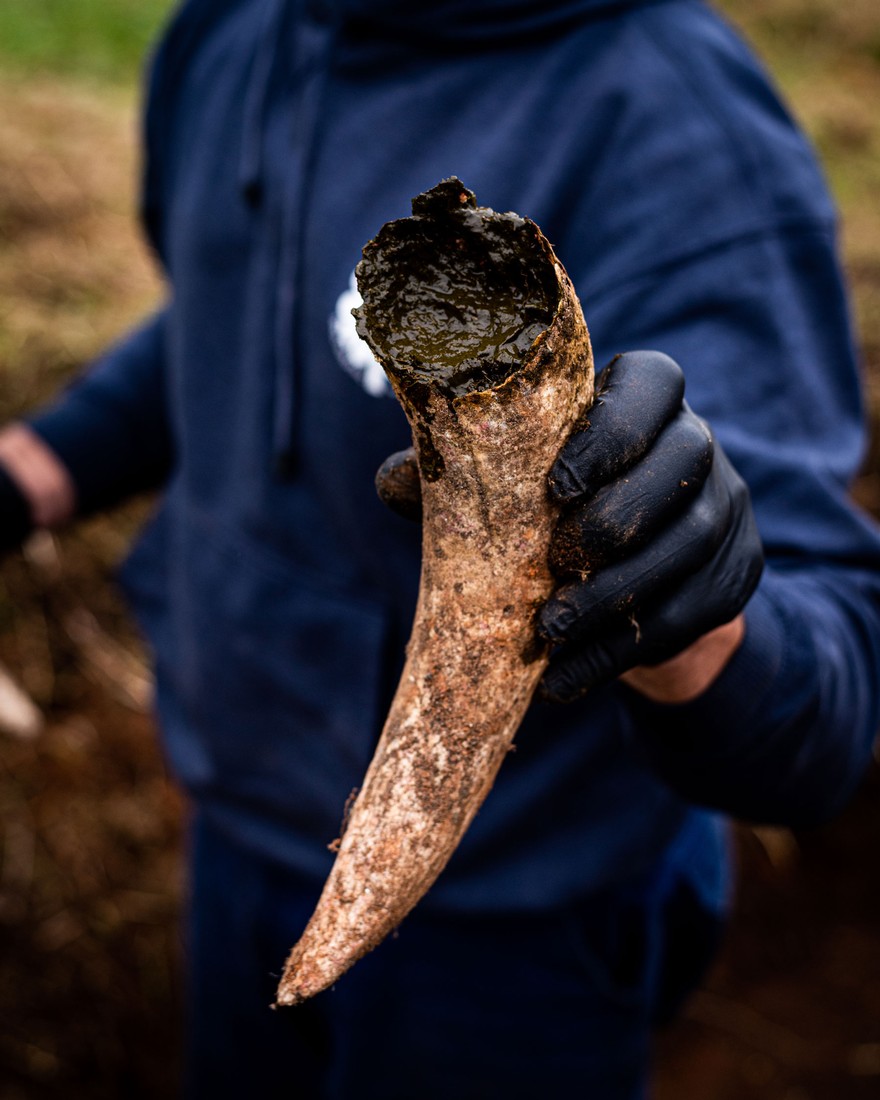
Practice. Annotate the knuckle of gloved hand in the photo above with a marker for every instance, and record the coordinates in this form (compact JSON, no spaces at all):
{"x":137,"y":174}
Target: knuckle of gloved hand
{"x":645,"y":393}
{"x":591,"y":535}
{"x":619,"y":519}
{"x":589,"y":458}
{"x":569,"y":477}
{"x":574,"y":673}
{"x":708,"y":520}
{"x":578,"y":612}
{"x":637,"y":395}
{"x":559,"y":615}
{"x":741,"y":497}
{"x":744,"y":538}
{"x":720,"y":593}
{"x":652,"y":372}
{"x":752,"y":566}
{"x":689,"y":446}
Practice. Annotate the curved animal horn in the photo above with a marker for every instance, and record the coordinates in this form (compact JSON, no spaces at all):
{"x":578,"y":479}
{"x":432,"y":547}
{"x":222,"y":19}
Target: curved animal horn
{"x":481,"y":334}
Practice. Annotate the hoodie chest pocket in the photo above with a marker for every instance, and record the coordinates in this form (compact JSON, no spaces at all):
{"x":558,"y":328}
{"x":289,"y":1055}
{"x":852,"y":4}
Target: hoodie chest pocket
{"x":276,"y":683}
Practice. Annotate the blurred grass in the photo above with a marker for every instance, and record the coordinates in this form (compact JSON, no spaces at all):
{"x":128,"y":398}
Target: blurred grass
{"x":101,"y":40}
{"x":73,"y":270}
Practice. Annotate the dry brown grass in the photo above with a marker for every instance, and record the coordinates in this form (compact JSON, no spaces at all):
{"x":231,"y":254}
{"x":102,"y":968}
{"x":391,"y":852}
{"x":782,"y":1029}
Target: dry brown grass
{"x":90,"y":874}
{"x":73,"y":271}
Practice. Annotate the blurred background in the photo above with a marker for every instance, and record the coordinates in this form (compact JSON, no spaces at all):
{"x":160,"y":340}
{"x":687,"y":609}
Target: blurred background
{"x":91,"y":829}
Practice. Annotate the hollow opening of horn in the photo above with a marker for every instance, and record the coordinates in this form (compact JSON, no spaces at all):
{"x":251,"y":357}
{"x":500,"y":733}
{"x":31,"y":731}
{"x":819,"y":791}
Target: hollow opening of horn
{"x":457,"y":294}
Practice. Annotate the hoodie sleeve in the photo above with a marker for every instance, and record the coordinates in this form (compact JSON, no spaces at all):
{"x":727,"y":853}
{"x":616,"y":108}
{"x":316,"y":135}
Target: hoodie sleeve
{"x":110,"y":428}
{"x":760,"y":326}
{"x":785,"y":734}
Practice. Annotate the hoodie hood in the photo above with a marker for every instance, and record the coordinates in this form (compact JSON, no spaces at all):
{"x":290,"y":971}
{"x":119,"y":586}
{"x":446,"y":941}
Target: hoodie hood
{"x":466,"y":20}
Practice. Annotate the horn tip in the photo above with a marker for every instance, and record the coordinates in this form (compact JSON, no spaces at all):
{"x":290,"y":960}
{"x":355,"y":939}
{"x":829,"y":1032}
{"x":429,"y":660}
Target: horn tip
{"x":296,"y":987}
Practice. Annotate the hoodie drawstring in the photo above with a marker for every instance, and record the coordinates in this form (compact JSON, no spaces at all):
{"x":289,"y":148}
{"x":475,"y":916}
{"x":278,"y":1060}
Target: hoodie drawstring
{"x":311,"y":94}
{"x":250,"y":167}
{"x":308,"y":75}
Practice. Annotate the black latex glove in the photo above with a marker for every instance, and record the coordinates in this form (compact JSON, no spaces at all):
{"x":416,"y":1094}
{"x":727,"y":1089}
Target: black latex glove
{"x":15,"y":514}
{"x":657,"y":543}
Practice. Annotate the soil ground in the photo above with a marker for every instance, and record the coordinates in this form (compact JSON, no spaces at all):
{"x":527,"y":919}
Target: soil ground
{"x":90,"y":869}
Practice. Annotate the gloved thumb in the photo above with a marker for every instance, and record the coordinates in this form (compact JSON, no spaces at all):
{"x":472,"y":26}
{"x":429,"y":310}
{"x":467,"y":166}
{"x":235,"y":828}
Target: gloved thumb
{"x":399,"y":485}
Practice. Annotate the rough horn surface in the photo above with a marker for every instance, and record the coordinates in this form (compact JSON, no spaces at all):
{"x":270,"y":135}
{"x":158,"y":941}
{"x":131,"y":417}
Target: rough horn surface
{"x":481,"y":334}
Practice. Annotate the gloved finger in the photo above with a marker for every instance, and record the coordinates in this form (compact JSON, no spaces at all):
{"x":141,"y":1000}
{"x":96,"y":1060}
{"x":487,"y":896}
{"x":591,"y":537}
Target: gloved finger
{"x":662,"y":629}
{"x":639,"y":393}
{"x":583,"y":609}
{"x":659,"y":634}
{"x":626,"y":513}
{"x":708,"y":599}
{"x":578,"y":669}
{"x":399,"y":485}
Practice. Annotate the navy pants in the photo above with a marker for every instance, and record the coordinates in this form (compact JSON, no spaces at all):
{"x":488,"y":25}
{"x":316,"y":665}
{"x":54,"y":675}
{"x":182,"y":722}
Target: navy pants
{"x":450,"y":1008}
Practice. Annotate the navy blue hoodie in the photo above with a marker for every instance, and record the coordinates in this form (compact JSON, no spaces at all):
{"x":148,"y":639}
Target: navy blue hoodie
{"x":277,"y":591}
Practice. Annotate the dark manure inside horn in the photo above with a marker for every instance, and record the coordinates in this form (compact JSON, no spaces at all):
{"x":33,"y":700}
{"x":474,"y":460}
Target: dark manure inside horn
{"x":456,"y":295}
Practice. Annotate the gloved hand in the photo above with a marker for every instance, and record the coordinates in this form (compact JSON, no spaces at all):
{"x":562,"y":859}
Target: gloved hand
{"x":657,"y":543}
{"x":15,"y":514}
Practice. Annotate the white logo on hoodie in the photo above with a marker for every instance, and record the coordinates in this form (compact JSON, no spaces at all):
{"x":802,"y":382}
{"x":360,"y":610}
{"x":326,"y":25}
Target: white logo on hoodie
{"x":352,"y":352}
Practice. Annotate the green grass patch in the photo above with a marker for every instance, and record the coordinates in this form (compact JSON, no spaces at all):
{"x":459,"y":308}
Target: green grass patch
{"x":98,"y":40}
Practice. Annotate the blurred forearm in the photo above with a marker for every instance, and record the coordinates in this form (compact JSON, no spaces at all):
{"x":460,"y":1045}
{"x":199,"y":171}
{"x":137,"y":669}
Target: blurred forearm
{"x":107,"y":436}
{"x":38,"y":474}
